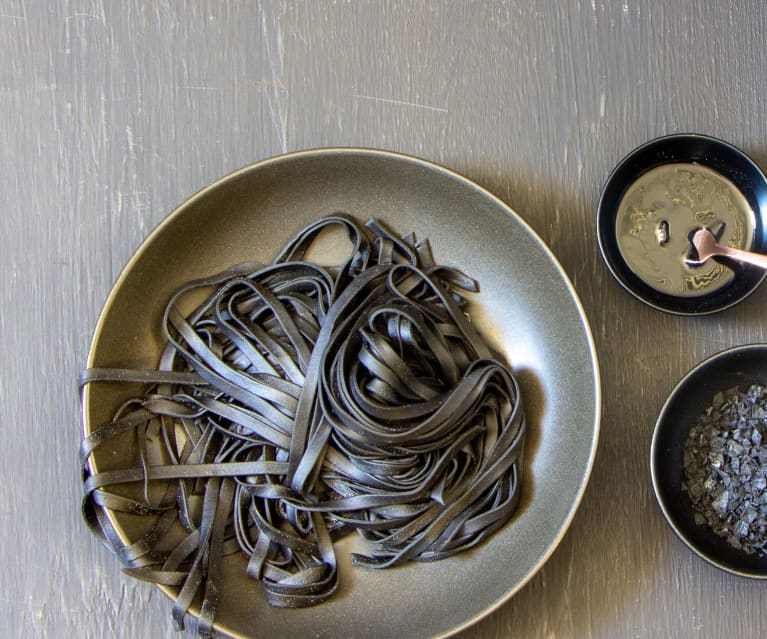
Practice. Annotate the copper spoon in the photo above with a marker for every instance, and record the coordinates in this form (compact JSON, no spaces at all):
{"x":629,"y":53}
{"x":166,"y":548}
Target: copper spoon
{"x":707,"y":247}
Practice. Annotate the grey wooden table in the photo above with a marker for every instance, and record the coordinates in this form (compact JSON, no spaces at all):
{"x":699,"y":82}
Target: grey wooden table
{"x":111,"y":113}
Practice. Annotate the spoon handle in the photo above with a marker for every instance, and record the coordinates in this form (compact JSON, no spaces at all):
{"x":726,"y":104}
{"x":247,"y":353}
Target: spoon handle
{"x":757,"y":259}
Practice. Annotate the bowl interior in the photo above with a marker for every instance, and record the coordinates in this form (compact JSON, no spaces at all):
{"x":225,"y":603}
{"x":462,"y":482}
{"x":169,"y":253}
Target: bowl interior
{"x":526,"y":308}
{"x":723,"y":158}
{"x":739,"y":366}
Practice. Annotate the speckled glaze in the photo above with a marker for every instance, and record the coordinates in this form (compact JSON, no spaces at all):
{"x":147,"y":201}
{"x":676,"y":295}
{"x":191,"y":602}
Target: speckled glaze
{"x":527,"y":309}
{"x":738,"y":366}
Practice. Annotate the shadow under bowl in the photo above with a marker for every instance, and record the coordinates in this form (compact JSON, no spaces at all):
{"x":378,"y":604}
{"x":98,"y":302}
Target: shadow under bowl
{"x":722,"y":157}
{"x":738,"y":366}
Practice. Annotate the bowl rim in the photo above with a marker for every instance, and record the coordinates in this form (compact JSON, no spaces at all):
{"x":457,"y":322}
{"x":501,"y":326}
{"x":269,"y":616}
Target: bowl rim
{"x":605,"y":198}
{"x":656,"y":483}
{"x":319,"y":152}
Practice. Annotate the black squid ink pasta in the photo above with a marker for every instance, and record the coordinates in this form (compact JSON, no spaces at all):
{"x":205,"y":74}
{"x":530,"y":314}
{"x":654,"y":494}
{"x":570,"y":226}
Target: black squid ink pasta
{"x":299,"y":403}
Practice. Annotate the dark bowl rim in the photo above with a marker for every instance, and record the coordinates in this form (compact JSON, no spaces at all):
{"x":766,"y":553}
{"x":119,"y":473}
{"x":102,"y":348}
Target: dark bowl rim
{"x":607,"y":256}
{"x":656,"y":483}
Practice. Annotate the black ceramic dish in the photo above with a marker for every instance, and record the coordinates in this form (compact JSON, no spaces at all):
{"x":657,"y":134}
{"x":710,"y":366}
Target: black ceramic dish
{"x":739,"y":366}
{"x":715,"y":154}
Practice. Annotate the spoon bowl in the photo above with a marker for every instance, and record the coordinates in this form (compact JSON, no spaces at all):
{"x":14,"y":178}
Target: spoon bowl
{"x":706,"y":247}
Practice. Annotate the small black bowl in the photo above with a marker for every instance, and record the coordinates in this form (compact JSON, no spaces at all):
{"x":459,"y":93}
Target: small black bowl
{"x":715,"y":154}
{"x":739,"y":366}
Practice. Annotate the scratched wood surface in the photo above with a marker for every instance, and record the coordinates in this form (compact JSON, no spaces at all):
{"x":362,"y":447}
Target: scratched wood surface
{"x":113,"y":112}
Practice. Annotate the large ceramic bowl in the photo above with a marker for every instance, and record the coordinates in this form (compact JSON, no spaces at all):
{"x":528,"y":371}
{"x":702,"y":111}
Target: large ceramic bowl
{"x":527,"y":309}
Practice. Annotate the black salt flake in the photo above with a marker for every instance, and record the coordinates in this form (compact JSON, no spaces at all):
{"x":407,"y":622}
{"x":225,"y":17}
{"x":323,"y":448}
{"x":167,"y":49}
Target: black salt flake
{"x":725,"y":468}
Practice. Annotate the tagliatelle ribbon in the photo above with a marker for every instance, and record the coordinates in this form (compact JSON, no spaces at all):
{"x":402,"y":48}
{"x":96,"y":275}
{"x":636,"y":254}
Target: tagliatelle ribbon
{"x":299,"y":403}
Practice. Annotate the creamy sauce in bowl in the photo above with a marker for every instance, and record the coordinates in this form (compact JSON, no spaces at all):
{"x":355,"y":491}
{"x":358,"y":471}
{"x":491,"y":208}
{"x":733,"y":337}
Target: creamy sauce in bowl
{"x":660,"y":210}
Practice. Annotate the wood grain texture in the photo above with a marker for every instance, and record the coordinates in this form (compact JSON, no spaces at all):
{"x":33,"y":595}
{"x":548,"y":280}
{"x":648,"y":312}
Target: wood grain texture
{"x":111,"y":113}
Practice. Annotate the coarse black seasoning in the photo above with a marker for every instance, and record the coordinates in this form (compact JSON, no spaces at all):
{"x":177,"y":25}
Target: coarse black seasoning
{"x":725,"y":468}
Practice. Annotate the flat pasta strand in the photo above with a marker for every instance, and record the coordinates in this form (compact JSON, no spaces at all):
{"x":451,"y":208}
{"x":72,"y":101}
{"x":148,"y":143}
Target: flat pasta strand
{"x":300,"y":403}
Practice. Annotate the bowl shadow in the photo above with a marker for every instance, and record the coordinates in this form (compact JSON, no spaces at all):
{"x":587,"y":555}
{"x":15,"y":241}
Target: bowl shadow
{"x":534,"y":405}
